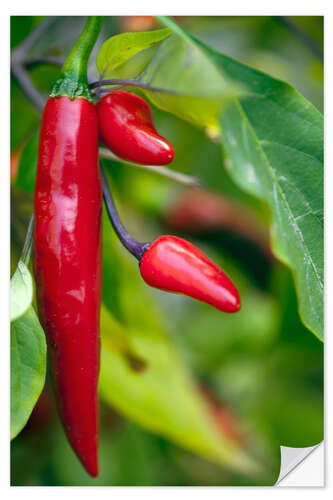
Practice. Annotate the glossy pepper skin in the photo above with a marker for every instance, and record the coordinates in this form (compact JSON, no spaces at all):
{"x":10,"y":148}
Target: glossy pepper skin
{"x":175,"y":265}
{"x":67,"y":242}
{"x":127,"y":128}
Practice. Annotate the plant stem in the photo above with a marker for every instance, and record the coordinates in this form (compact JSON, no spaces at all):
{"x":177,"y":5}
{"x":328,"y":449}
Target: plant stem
{"x":22,"y":50}
{"x":26,"y":250}
{"x":133,"y":246}
{"x":187,"y":180}
{"x":52,"y":60}
{"x":302,"y":35}
{"x":130,"y":83}
{"x":27,"y":86}
{"x":75,"y":66}
{"x":73,"y":80}
{"x":18,"y":58}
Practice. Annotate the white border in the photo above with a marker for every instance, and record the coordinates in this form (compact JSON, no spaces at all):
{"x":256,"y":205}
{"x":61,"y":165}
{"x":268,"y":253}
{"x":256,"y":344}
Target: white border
{"x":142,"y":7}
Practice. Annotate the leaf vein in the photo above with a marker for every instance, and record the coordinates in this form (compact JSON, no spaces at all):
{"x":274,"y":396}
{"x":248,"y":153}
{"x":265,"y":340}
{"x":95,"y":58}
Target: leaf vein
{"x":283,"y":198}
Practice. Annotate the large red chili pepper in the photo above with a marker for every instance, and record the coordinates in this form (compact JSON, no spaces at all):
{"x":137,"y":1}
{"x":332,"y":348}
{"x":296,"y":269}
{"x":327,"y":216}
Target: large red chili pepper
{"x":67,"y":240}
{"x":126,"y":127}
{"x":175,"y":265}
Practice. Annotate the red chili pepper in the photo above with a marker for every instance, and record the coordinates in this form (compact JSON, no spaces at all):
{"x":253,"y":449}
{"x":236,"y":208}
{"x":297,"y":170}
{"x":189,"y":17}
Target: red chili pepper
{"x":126,"y":127}
{"x":68,"y":202}
{"x":175,"y":265}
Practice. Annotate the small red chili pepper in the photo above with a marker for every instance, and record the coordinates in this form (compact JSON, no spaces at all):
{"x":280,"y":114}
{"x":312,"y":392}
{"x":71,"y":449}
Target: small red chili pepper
{"x":127,"y":128}
{"x":175,"y":265}
{"x":68,"y":203}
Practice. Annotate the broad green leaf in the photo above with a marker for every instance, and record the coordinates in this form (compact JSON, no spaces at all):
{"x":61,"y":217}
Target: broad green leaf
{"x":136,"y":64}
{"x":289,"y":177}
{"x":274,"y":140}
{"x":119,"y":48}
{"x":27,"y":167}
{"x":194,"y":89}
{"x":27,"y":366}
{"x":21,"y":290}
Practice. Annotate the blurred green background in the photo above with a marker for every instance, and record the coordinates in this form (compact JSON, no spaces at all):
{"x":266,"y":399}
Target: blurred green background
{"x":261,"y":371}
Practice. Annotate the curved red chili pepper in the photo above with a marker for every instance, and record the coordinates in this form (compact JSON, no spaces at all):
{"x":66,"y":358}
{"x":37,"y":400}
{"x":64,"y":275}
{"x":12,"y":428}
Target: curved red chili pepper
{"x":126,"y":127}
{"x":175,"y":265}
{"x":68,"y":202}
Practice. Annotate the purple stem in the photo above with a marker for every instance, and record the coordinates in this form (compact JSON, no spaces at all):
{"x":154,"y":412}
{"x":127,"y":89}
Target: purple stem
{"x":133,"y":246}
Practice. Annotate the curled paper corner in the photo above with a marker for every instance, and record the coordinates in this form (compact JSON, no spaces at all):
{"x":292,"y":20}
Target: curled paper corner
{"x":291,"y":458}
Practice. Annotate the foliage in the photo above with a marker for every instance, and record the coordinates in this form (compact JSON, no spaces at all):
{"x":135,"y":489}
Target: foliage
{"x":118,"y":49}
{"x":28,"y":367}
{"x":21,"y":290}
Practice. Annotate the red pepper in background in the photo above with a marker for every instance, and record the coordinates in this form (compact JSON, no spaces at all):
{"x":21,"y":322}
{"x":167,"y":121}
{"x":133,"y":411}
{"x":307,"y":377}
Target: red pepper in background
{"x":175,"y":265}
{"x":200,"y":211}
{"x":137,"y":23}
{"x":222,"y":416}
{"x":67,"y":241}
{"x":127,"y":128}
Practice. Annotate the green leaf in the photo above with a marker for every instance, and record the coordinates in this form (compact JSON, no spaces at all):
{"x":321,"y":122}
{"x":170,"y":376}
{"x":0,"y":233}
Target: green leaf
{"x":21,"y":290}
{"x":118,"y":49}
{"x":289,"y":178}
{"x":28,"y":368}
{"x":194,"y":89}
{"x":27,"y":167}
{"x":136,"y":64}
{"x":274,"y":140}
